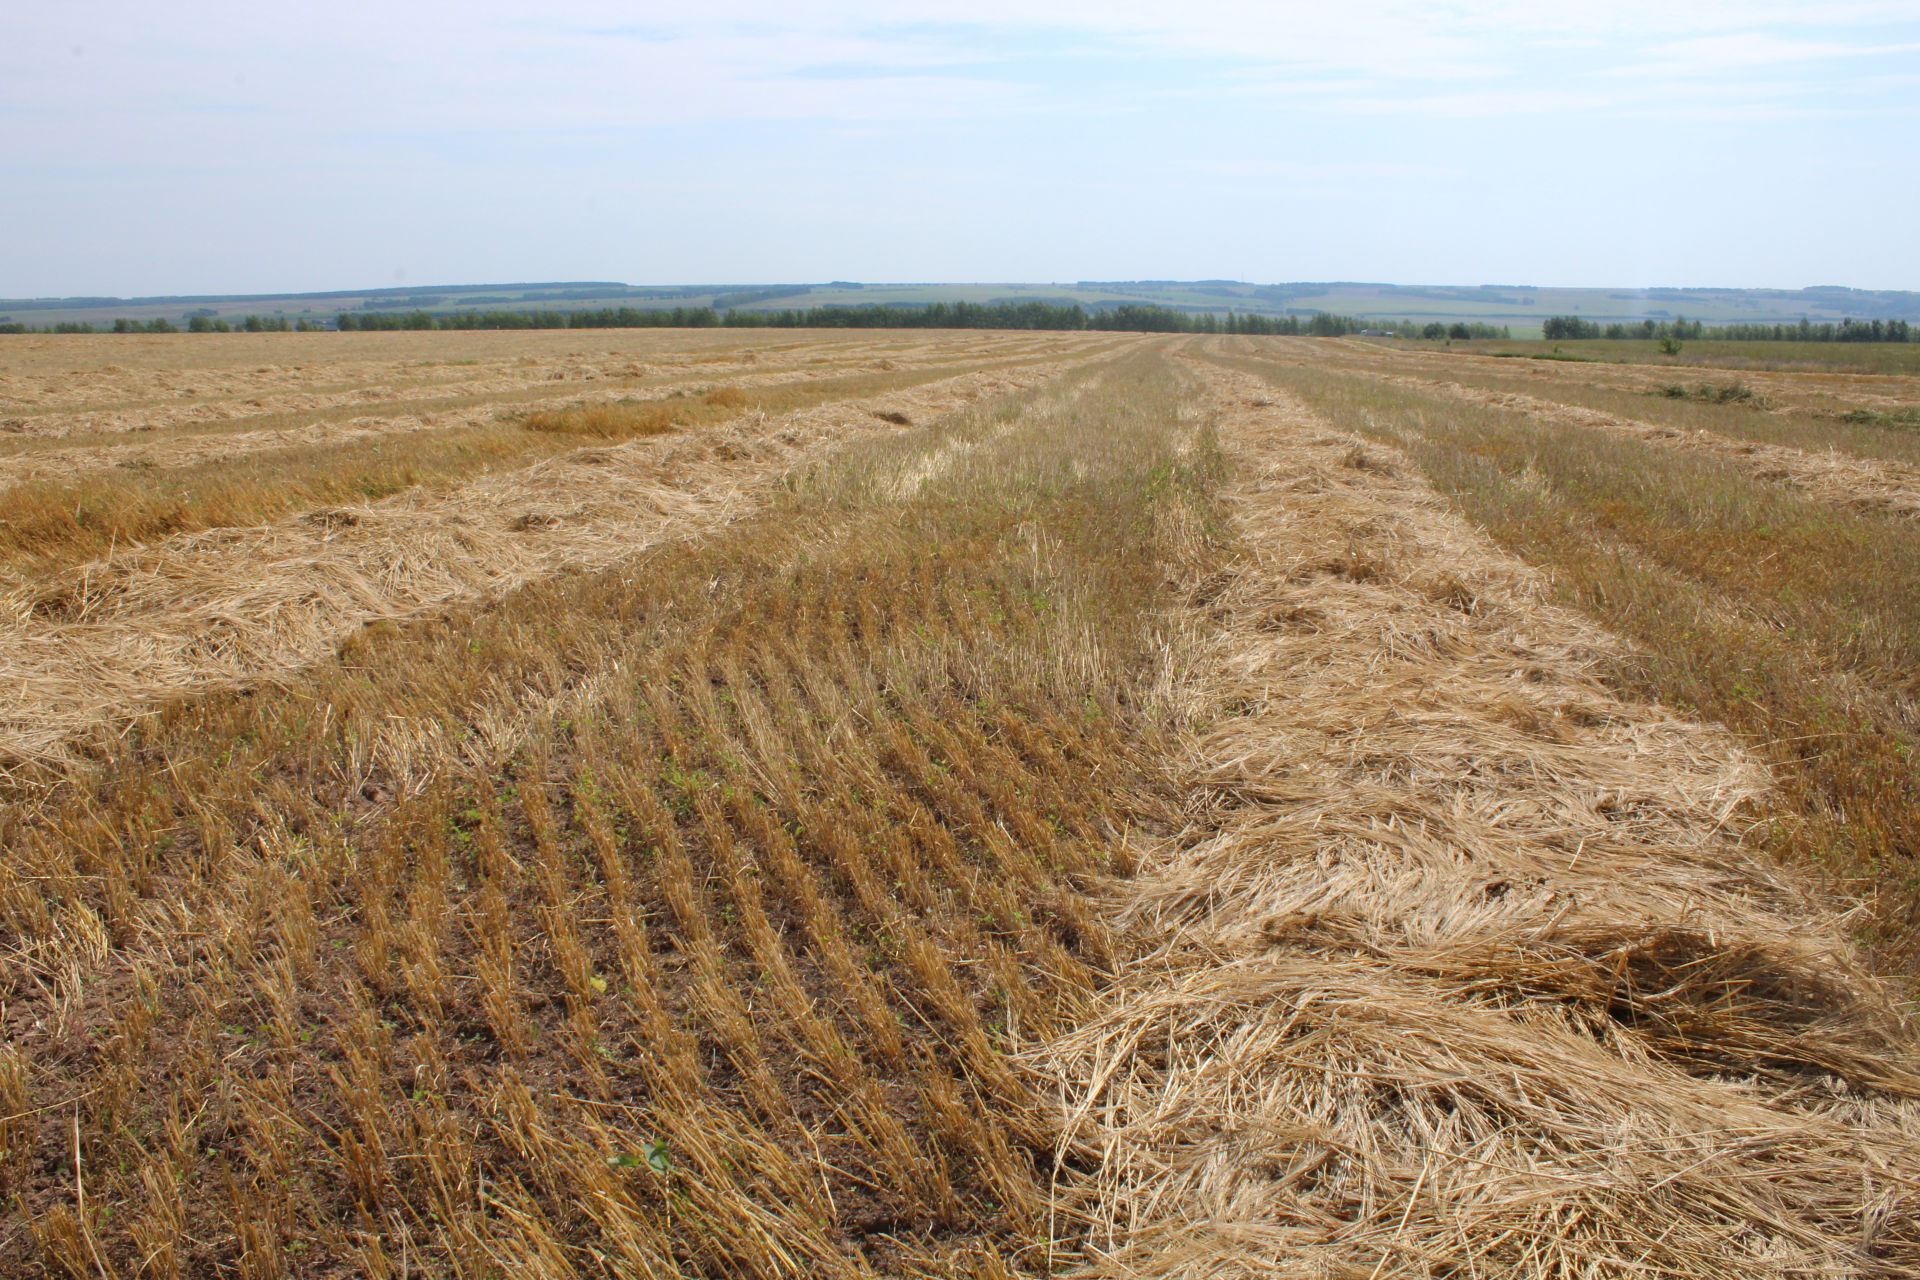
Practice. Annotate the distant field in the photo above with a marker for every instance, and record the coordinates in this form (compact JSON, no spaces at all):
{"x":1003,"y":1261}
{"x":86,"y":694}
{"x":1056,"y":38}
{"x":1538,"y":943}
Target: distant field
{"x":955,"y":805}
{"x":1857,"y":357}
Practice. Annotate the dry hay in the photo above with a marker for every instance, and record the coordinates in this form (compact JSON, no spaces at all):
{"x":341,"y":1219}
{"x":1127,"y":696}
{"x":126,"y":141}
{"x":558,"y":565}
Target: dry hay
{"x":203,"y":430}
{"x":38,"y":374}
{"x":1838,"y":479}
{"x":1462,"y":967}
{"x":184,"y":450}
{"x":1820,"y":391}
{"x":231,"y":605}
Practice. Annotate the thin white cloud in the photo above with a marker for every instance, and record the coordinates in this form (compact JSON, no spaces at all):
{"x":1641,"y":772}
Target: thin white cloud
{"x":1484,"y":104}
{"x":1322,"y":172}
{"x":494,"y":62}
{"x":1750,"y":49}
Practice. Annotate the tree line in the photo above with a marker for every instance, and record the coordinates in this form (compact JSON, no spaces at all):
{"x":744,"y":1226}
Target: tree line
{"x":1137,"y":318}
{"x":160,"y":324}
{"x":1557,"y":328}
{"x":1128,"y":317}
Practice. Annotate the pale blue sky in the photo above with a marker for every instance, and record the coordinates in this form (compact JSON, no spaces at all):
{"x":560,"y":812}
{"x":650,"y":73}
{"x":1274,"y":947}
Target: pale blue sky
{"x":214,"y":146}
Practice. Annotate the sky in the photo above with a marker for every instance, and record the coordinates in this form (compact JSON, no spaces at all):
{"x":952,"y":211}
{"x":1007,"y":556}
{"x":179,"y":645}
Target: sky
{"x":214,"y":147}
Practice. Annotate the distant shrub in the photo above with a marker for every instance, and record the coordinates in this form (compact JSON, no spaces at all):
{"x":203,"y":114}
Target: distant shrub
{"x":1569,"y":327}
{"x":1714,"y":393}
{"x":1875,"y":418}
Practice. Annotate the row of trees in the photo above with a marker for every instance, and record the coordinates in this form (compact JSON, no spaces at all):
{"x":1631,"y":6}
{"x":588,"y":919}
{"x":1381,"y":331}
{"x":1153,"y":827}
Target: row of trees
{"x":1135,"y":318}
{"x":250,"y":324}
{"x":1433,"y":331}
{"x":160,"y":324}
{"x":1805,"y":331}
{"x":1131,"y":317}
{"x":937,"y":315}
{"x":1557,"y":328}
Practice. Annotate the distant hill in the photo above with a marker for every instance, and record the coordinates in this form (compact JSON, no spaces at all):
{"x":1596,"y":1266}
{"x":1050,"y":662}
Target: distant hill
{"x":1520,"y":306}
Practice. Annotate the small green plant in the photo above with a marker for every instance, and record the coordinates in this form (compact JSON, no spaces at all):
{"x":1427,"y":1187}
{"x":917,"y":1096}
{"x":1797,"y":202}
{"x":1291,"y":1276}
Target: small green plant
{"x":655,"y":1156}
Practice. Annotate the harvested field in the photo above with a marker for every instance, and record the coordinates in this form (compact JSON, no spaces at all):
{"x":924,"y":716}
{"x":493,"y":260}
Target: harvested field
{"x":1858,"y":448}
{"x":1794,"y":622}
{"x":1052,"y":805}
{"x":1834,"y":477}
{"x":49,"y":386}
{"x":1880,"y":358}
{"x":91,"y":511}
{"x":236,"y":604}
{"x":1811,"y":387}
{"x":1460,"y":957}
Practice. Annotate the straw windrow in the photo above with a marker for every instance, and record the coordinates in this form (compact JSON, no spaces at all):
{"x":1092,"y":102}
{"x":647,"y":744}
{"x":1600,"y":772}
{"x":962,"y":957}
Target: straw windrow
{"x":140,"y":437}
{"x":230,"y":605}
{"x":1842,"y":480}
{"x":1461,"y":966}
{"x":1847,"y":473}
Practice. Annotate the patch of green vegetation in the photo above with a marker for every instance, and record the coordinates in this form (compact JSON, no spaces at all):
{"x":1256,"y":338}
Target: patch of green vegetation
{"x":1714,"y":393}
{"x":1909,"y":417}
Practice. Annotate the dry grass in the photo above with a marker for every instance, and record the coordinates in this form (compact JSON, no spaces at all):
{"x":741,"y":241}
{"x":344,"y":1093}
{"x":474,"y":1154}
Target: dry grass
{"x":1859,"y":482}
{"x":100,"y":498}
{"x":1815,"y":357}
{"x":1790,"y":622}
{"x":1460,"y":967}
{"x":970,"y":856}
{"x":45,"y":374}
{"x":1815,"y":425}
{"x":1857,"y":465}
{"x":105,"y":639}
{"x":1866,"y":416}
{"x":674,"y":919}
{"x":47,"y":527}
{"x":193,"y":391}
{"x":629,"y":419}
